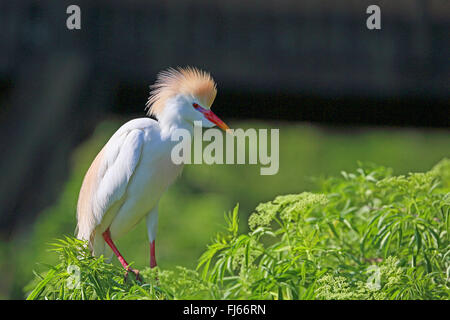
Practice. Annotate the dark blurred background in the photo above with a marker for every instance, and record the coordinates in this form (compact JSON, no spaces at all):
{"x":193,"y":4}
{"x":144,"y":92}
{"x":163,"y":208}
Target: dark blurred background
{"x":311,"y":67}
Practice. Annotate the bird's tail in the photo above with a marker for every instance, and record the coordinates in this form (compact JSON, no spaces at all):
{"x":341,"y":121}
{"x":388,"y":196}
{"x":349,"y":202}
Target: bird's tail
{"x":97,"y":245}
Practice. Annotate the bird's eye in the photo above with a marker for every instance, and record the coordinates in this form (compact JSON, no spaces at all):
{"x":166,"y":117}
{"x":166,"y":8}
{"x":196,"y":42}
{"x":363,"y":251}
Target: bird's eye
{"x":195,"y":105}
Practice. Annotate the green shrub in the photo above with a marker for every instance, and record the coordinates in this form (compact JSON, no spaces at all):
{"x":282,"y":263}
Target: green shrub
{"x":367,"y":235}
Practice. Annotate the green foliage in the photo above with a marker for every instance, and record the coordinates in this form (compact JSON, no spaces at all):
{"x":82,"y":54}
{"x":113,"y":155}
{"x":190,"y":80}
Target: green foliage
{"x":81,"y":276}
{"x":366,"y":235}
{"x":204,"y":192}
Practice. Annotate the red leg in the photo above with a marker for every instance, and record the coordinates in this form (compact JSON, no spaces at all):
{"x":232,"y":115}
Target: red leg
{"x":107,"y":237}
{"x":123,"y":262}
{"x":152,"y":255}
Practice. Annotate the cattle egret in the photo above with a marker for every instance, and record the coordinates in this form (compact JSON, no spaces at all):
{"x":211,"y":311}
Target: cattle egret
{"x":130,"y":174}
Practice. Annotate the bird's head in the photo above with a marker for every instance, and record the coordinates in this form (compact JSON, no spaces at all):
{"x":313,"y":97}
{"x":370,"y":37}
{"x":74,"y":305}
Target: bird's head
{"x":187,"y":93}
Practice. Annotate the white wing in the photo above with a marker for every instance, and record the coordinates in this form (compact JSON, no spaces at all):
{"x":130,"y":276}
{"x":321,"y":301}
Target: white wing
{"x":119,"y":164}
{"x":106,"y":181}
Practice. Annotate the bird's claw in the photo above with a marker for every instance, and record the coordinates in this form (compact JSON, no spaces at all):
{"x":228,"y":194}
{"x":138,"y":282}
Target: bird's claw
{"x":136,"y":273}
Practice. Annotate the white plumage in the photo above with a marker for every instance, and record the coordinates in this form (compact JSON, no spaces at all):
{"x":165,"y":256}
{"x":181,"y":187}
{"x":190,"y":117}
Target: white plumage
{"x":125,"y":191}
{"x":129,"y":175}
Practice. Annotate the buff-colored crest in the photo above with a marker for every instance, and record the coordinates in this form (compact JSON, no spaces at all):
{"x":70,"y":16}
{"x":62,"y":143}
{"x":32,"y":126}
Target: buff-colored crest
{"x":189,"y":80}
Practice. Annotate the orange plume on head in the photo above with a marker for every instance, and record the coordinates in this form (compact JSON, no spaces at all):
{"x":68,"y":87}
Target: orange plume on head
{"x":187,"y":80}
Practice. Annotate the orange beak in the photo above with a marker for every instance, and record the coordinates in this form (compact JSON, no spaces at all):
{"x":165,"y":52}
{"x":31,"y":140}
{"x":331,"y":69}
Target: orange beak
{"x":211,"y":116}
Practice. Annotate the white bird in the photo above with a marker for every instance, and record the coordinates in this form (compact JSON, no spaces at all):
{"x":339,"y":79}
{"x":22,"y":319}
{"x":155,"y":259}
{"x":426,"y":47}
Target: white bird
{"x":130,"y":174}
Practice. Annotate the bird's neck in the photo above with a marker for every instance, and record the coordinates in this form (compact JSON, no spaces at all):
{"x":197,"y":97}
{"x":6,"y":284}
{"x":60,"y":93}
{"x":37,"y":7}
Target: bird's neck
{"x":171,"y":120}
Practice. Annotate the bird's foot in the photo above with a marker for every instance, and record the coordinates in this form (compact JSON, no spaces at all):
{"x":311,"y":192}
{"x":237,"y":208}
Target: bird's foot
{"x":136,"y":273}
